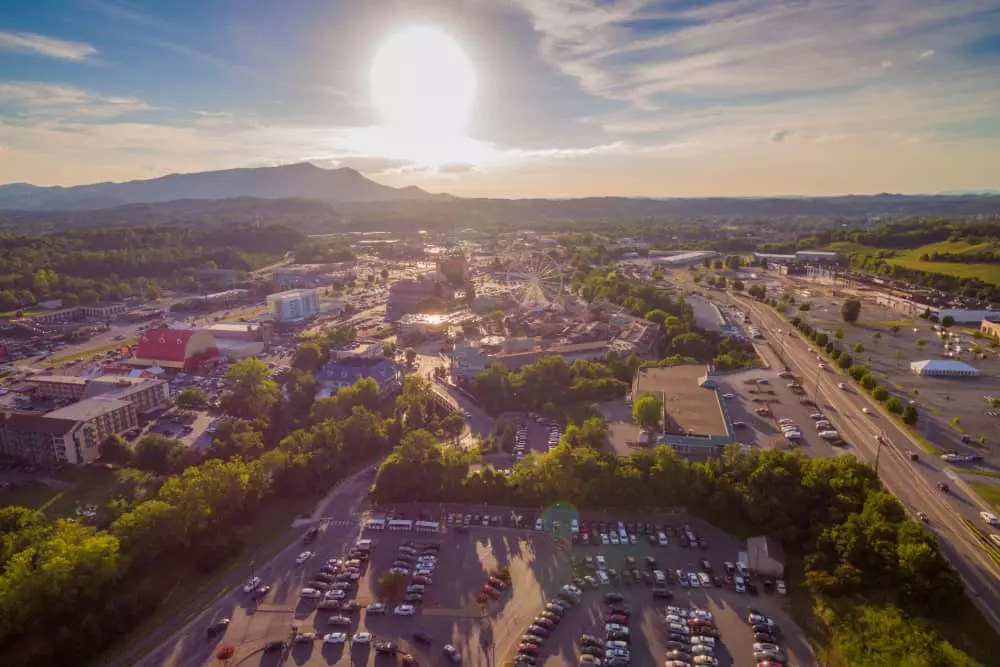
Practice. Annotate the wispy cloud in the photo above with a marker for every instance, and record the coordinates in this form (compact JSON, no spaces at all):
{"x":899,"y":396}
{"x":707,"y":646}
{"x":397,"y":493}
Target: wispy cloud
{"x":927,"y":54}
{"x":37,"y":99}
{"x":50,"y":47}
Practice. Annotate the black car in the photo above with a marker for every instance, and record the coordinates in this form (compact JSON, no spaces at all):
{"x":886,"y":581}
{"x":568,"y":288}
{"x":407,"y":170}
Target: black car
{"x":674,"y":637}
{"x":619,"y":608}
{"x":590,"y":640}
{"x":423,"y":637}
{"x":613,"y":597}
{"x":276,"y":645}
{"x":618,"y":636}
{"x":764,"y":638}
{"x":350,"y":605}
{"x":217,"y":627}
{"x":524,"y":659}
{"x":385,"y":648}
{"x":414,"y":598}
{"x":596,"y":651}
{"x":662,"y":594}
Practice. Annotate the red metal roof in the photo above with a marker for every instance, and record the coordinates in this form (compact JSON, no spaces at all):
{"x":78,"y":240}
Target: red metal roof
{"x":164,"y":344}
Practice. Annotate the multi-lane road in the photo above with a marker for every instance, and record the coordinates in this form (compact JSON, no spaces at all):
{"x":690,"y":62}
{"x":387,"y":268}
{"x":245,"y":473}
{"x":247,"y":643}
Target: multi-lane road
{"x":913,"y":482}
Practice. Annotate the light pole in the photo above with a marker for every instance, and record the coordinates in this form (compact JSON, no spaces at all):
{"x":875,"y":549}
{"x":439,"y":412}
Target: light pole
{"x":880,"y":439}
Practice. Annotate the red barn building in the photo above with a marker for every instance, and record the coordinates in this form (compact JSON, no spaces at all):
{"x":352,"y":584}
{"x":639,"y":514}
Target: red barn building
{"x":174,"y":348}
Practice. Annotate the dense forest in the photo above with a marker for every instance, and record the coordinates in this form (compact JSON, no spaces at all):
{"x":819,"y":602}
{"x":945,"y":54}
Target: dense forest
{"x":108,"y":264}
{"x":862,"y":553}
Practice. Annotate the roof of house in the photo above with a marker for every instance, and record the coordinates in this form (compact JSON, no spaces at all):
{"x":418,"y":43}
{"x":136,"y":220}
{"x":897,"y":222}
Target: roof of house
{"x":164,"y":344}
{"x":59,"y":379}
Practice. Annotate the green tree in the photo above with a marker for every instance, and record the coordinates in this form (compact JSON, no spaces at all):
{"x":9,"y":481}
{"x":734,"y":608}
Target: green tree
{"x":410,"y":356}
{"x":692,"y":345}
{"x":250,"y":392}
{"x":308,"y":357}
{"x":157,"y":453}
{"x":947,"y":321}
{"x":921,"y":342}
{"x":647,"y":412}
{"x":592,"y":433}
{"x":859,"y":348}
{"x":910,"y":415}
{"x":844,"y":361}
{"x":114,"y":449}
{"x":868,"y":382}
{"x":391,"y":586}
{"x":894,"y":405}
{"x":838,"y":334}
{"x":956,"y":423}
{"x":877,"y":336}
{"x":191,"y":398}
{"x":880,"y":393}
{"x":850,"y":310}
{"x":894,"y":329}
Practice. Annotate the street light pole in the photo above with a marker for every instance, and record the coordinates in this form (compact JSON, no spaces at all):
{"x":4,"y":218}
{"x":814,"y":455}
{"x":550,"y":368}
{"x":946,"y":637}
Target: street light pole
{"x":880,"y":439}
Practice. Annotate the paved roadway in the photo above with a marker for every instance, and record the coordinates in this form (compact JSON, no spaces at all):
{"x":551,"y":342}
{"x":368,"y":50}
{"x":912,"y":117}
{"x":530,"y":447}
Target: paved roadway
{"x":914,"y":483}
{"x":188,"y":645}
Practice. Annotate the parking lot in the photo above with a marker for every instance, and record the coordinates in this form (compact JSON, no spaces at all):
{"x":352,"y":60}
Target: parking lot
{"x":535,"y":565}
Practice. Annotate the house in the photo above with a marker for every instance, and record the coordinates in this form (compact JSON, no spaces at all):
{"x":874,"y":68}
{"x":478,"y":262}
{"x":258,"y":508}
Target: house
{"x":344,"y":372}
{"x":766,"y":557}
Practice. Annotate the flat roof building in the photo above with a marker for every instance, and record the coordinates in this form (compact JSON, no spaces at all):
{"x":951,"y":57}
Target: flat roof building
{"x":943,"y":368}
{"x":294,"y":305}
{"x":696,"y":420}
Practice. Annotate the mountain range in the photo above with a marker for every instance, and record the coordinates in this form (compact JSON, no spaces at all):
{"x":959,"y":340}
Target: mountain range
{"x":303,"y":180}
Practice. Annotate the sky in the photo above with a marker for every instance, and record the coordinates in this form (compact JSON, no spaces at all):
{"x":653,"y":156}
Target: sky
{"x":569,"y":98}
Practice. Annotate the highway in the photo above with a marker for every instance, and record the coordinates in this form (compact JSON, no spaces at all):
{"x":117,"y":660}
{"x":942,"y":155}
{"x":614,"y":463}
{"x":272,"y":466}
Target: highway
{"x":914,"y":483}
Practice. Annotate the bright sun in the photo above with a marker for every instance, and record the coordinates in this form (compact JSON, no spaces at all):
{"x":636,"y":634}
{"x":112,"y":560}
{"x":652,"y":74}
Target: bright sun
{"x":423,"y":84}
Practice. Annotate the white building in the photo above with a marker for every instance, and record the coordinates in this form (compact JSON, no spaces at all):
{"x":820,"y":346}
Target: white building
{"x":294,"y":305}
{"x":943,"y":368}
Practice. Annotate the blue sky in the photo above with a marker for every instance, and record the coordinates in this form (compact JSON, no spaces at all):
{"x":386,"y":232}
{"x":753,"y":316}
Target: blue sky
{"x":573,"y":97}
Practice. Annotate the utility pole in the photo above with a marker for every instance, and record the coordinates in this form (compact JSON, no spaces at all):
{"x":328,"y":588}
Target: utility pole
{"x":252,"y":574}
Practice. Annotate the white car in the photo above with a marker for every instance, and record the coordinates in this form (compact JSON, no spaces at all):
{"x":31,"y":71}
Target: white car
{"x":613,"y":537}
{"x":361,"y":638}
{"x":728,"y":396}
{"x":841,"y":385}
{"x":706,"y":581}
{"x":404,"y":610}
{"x":336,"y":595}
{"x":303,"y":557}
{"x":538,"y":524}
{"x":633,"y":540}
{"x":310,"y":594}
{"x":740,"y":586}
{"x":866,"y":411}
{"x":951,"y":458}
{"x":399,"y":570}
{"x":601,"y":562}
{"x":703,"y":639}
{"x":693,"y":580}
{"x":335,"y":638}
{"x":605,"y":539}
{"x":662,"y":539}
{"x":252,"y":585}
{"x":702,"y":649}
{"x":990,"y":518}
{"x":779,"y":586}
{"x":705,"y":660}
{"x":829,"y":435}
{"x":603,"y":577}
{"x":766,"y":647}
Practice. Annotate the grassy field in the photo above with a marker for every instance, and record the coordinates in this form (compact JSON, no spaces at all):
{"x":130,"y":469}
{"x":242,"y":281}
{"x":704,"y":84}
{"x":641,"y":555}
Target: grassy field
{"x":988,"y":492}
{"x":73,"y":487}
{"x":911,"y":259}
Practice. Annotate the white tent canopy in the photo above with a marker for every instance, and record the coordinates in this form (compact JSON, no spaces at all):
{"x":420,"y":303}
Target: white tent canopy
{"x":943,"y":368}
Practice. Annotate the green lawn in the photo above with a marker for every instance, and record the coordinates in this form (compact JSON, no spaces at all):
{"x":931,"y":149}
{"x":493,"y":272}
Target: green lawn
{"x":911,"y":259}
{"x":988,"y":492}
{"x":89,"y":485}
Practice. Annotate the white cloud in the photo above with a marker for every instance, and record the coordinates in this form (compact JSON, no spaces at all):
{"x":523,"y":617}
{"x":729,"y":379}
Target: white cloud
{"x":780,"y":135}
{"x":37,"y":99}
{"x":51,"y":47}
{"x":927,"y":54}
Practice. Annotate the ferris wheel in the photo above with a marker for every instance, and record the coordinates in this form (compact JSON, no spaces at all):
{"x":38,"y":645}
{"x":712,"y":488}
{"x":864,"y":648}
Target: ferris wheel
{"x":535,"y":279}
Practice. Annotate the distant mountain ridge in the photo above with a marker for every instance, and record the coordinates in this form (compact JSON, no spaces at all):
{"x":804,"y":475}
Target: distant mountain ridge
{"x":300,"y":181}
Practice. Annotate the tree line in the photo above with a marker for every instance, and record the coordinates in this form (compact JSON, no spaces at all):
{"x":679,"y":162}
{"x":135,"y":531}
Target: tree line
{"x":85,"y":266}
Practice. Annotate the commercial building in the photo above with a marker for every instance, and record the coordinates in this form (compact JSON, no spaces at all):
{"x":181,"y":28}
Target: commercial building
{"x":406,"y":295}
{"x":816,"y":256}
{"x":991,"y":328}
{"x":344,"y":372}
{"x":174,"y":348}
{"x":359,"y":349}
{"x":696,"y":420}
{"x":685,"y":258}
{"x":470,"y":359}
{"x":44,"y":441}
{"x":455,"y":269}
{"x":943,"y":368}
{"x":59,"y":387}
{"x":294,"y":305}
{"x":146,"y":394}
{"x":765,"y":557}
{"x":103,"y":415}
{"x":98,"y":311}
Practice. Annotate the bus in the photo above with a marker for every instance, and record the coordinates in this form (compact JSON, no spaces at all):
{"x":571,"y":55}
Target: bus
{"x":427,"y":526}
{"x":375,"y":524}
{"x":400,"y":524}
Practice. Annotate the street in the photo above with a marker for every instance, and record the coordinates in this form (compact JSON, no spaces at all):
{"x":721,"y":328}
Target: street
{"x":914,"y":483}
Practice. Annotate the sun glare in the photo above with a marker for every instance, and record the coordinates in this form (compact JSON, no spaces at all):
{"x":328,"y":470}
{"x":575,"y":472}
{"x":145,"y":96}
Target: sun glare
{"x":423,"y":84}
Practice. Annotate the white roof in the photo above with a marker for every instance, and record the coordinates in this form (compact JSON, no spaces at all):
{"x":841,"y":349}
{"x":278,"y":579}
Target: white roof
{"x":942,"y":366}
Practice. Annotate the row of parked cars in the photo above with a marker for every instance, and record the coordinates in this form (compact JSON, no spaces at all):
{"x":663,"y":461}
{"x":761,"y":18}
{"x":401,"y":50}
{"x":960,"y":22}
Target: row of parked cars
{"x":692,"y":637}
{"x":615,"y":648}
{"x":418,"y":561}
{"x":622,"y":533}
{"x":766,"y":634}
{"x":544,"y":624}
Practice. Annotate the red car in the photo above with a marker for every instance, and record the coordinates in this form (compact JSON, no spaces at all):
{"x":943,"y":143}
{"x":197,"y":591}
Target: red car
{"x":421,"y":579}
{"x":496,"y":583}
{"x":492,"y":592}
{"x":616,"y":618}
{"x":408,"y":660}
